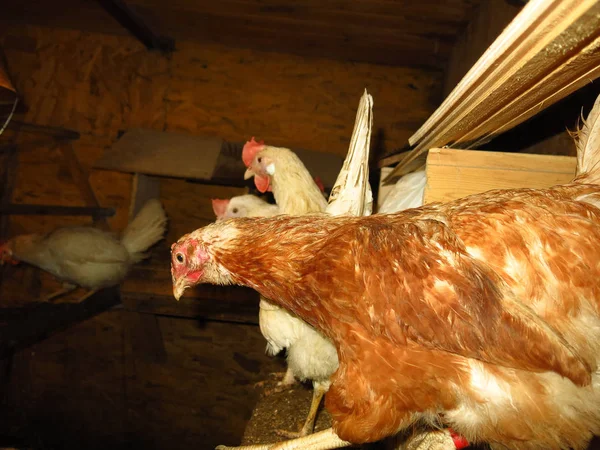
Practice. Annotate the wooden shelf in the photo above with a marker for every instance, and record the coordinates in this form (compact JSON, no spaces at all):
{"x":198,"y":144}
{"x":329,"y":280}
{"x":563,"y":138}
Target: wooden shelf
{"x":24,"y":326}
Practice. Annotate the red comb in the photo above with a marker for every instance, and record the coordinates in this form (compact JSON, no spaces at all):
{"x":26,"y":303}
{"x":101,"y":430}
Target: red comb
{"x":251,"y":148}
{"x":219,"y":207}
{"x":320,"y":183}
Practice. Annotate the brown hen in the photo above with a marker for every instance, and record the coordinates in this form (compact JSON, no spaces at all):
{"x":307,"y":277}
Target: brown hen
{"x":482,"y":314}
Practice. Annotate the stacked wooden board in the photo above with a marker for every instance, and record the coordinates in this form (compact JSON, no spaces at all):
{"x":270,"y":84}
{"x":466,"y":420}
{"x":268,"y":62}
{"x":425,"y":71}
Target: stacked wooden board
{"x":551,"y":49}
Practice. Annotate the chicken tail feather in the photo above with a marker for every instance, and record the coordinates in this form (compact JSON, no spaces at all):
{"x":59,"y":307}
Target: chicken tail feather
{"x":587,"y":141}
{"x":145,"y":230}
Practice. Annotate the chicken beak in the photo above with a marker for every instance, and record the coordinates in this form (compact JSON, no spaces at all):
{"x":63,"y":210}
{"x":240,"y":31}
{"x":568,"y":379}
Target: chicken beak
{"x":249,"y":173}
{"x":179,"y":288}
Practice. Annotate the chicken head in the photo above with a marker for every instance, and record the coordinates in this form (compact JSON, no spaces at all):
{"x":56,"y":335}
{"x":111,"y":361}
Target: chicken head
{"x":11,"y":248}
{"x":6,"y":254}
{"x":258,"y":166}
{"x":192,"y":262}
{"x":220,"y":207}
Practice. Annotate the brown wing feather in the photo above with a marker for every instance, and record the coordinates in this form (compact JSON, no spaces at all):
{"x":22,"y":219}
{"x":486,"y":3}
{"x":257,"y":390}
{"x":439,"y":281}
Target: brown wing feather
{"x":418,"y":283}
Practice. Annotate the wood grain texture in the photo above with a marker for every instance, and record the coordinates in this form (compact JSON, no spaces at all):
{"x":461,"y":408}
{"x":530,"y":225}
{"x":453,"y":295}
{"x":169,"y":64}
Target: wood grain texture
{"x":84,"y":388}
{"x":487,"y":22}
{"x":383,"y":32}
{"x":548,"y":51}
{"x":453,"y":174}
{"x":99,"y":84}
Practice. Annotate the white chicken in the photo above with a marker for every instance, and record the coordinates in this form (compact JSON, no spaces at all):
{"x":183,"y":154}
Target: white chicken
{"x":280,"y":171}
{"x":310,"y":356}
{"x":86,"y":256}
{"x":243,"y":206}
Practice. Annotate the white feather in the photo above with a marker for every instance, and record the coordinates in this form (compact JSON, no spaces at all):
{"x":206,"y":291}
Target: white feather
{"x":351,"y":193}
{"x":145,"y":230}
{"x":587,"y":140}
{"x":407,"y":193}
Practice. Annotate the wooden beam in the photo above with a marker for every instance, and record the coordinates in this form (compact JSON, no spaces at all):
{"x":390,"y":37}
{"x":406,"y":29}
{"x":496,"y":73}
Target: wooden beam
{"x":312,"y":39}
{"x":55,"y":132}
{"x":220,"y":305}
{"x":22,"y":327}
{"x":8,"y":179}
{"x":55,"y":210}
{"x":146,"y":338}
{"x":132,"y":21}
{"x":82,"y":180}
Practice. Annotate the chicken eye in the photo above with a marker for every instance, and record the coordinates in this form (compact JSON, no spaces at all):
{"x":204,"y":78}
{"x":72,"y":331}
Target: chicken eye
{"x":234,"y":210}
{"x":179,"y":257}
{"x":259,"y":159}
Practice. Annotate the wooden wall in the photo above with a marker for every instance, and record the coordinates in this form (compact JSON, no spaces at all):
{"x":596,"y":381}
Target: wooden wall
{"x":200,"y":393}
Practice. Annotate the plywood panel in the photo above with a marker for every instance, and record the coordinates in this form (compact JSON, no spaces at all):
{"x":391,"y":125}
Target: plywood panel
{"x":401,"y":32}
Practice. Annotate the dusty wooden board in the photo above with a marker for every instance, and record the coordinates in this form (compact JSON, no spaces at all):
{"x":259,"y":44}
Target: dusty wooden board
{"x":453,"y":174}
{"x":154,"y":152}
{"x":548,"y":51}
{"x":183,"y":155}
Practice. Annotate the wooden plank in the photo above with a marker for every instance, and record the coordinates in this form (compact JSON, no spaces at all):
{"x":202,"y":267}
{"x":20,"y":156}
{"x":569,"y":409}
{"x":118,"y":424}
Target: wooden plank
{"x":501,"y":160}
{"x":321,"y":19}
{"x":152,"y":281}
{"x":213,"y":307}
{"x":453,"y":174}
{"x":82,"y":180}
{"x":170,"y":154}
{"x":488,"y":21}
{"x":547,"y":52}
{"x":55,"y":210}
{"x":411,"y":50}
{"x":143,"y":188}
{"x":22,"y":327}
{"x":148,"y":289}
{"x":127,"y":17}
{"x":146,"y":338}
{"x":453,"y":11}
{"x":184,"y":155}
{"x":9,"y":176}
{"x":56,"y":132}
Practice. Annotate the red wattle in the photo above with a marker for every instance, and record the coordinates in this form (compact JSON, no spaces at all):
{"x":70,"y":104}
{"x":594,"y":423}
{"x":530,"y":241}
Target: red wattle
{"x":263,"y":184}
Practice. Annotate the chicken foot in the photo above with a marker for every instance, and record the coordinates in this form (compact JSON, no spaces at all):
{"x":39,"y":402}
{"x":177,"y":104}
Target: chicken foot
{"x":87,"y":295}
{"x":431,"y":440}
{"x":66,"y":288}
{"x":323,"y":440}
{"x":319,"y":390}
{"x":286,"y":382}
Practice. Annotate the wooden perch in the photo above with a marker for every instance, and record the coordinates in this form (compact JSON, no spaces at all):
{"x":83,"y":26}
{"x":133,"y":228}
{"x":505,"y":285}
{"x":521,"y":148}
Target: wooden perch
{"x":56,"y":132}
{"x":123,"y":14}
{"x":55,"y":210}
{"x":22,"y":327}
